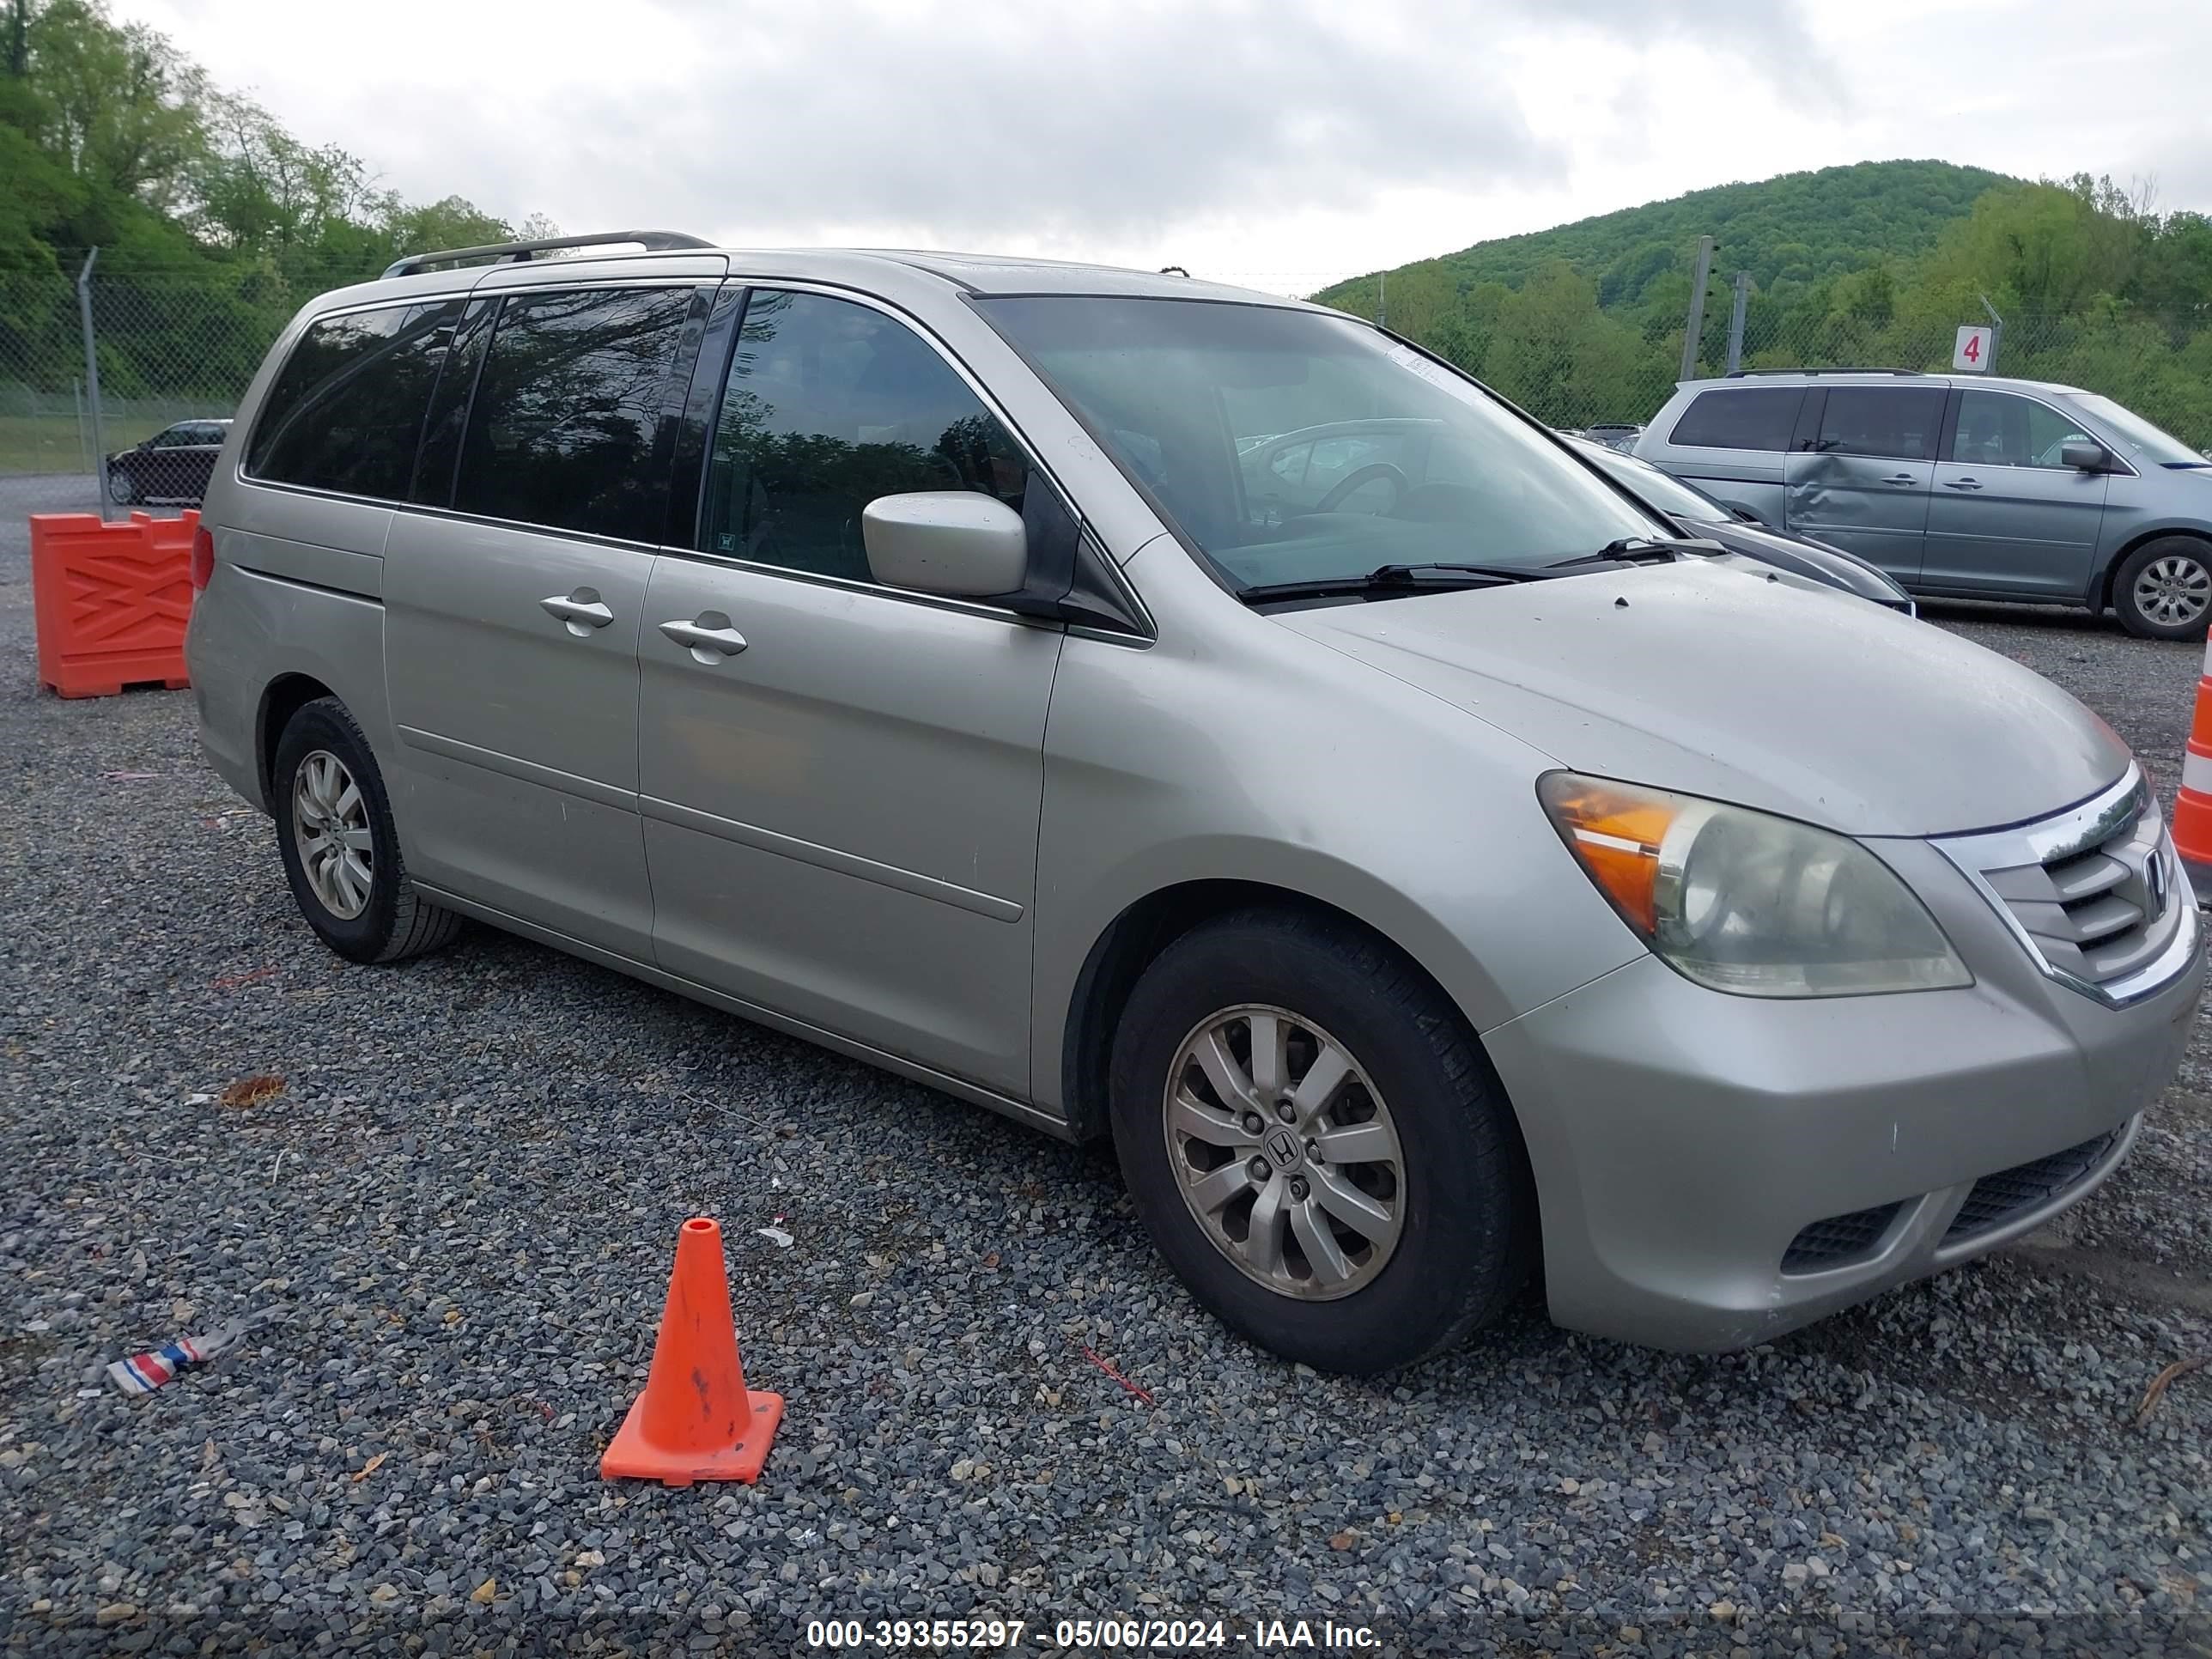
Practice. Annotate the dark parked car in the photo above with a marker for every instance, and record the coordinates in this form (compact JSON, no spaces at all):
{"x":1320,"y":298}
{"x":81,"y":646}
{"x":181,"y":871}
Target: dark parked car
{"x":172,"y":466}
{"x":1738,"y":530}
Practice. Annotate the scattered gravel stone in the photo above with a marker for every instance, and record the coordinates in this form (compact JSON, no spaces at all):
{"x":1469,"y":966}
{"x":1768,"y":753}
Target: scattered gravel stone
{"x":466,"y":1201}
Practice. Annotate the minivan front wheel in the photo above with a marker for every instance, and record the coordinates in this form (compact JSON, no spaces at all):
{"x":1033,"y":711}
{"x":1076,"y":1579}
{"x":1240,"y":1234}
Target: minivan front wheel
{"x":1316,"y":1142}
{"x":341,"y":852}
{"x":2164,"y":590}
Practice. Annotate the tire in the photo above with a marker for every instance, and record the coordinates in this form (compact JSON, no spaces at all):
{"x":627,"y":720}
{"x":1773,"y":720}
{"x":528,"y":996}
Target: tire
{"x":1459,"y":1192}
{"x":2163,"y":590}
{"x":122,"y":489}
{"x":383,"y":918}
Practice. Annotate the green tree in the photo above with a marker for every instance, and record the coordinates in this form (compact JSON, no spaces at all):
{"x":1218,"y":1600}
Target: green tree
{"x":213,"y":221}
{"x":1556,"y":353}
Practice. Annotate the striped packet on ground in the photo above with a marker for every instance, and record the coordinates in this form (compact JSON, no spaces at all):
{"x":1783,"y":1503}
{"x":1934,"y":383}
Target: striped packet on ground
{"x":142,"y":1373}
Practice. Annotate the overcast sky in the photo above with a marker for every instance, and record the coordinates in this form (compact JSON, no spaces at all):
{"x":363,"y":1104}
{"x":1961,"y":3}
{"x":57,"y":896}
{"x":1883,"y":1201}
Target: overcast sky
{"x":1281,"y":144}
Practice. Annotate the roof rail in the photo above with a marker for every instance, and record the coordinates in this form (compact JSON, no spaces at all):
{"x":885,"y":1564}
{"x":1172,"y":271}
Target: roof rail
{"x":1746,"y":373}
{"x":652,"y":241}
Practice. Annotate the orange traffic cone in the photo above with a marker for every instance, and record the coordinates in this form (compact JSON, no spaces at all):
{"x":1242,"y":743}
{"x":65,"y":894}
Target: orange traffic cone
{"x":696,"y":1421}
{"x":2192,"y":803}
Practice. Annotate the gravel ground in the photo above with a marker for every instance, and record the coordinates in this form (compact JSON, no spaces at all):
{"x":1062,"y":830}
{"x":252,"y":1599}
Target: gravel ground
{"x":465,"y":1199}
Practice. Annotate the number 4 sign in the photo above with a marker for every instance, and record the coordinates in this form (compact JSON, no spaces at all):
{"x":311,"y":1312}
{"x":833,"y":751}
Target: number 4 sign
{"x":1973,"y":350}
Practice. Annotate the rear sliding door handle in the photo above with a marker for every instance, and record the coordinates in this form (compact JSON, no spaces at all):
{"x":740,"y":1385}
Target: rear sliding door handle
{"x":581,"y":612}
{"x":708,"y":637}
{"x":1962,"y":483}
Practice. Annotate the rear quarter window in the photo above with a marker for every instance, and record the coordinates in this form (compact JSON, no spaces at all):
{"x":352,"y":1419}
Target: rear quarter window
{"x":346,"y":410}
{"x":1738,"y":417}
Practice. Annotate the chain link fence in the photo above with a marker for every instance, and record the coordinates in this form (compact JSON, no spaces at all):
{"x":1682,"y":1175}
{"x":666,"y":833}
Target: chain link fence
{"x":175,"y":350}
{"x":116,"y":381}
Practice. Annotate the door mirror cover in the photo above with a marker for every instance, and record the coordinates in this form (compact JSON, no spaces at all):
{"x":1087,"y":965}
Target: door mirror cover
{"x":2083,"y":455}
{"x":957,"y":543}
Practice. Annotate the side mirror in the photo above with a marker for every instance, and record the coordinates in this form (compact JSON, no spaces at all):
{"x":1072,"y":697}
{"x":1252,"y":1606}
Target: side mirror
{"x":953,"y":542}
{"x":2083,"y":454}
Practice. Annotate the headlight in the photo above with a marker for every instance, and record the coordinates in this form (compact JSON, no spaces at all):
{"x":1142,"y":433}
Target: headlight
{"x":1747,"y":903}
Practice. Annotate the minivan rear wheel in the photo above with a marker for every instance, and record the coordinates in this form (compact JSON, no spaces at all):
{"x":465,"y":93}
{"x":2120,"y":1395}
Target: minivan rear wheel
{"x":341,"y":851}
{"x":2164,"y":590}
{"x":1316,"y":1142}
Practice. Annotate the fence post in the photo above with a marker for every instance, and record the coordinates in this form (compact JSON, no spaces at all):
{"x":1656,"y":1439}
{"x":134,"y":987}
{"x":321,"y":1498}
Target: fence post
{"x":92,"y":383}
{"x":1383,"y":301}
{"x":1696,"y":324}
{"x":1997,"y":335}
{"x":1735,"y":320}
{"x":84,"y":439}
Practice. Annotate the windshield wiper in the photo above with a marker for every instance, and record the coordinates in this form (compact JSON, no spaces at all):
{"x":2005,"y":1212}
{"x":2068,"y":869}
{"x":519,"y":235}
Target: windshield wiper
{"x":1629,"y":549}
{"x":1396,"y":579}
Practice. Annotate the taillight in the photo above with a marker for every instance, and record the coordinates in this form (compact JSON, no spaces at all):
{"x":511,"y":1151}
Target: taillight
{"x":203,"y":558}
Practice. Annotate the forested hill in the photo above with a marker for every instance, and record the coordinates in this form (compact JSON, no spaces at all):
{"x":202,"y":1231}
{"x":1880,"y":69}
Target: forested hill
{"x":1798,"y":228}
{"x":1878,"y":263}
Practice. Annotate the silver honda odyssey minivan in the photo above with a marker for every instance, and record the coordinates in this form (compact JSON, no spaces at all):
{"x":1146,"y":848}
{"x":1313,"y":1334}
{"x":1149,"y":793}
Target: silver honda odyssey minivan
{"x":1426,"y":870}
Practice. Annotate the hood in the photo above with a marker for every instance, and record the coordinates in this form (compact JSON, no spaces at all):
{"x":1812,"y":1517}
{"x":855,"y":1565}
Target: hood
{"x":1720,"y":682}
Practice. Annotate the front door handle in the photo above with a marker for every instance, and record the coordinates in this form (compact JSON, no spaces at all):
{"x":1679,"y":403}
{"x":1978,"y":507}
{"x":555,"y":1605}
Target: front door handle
{"x":708,"y":637}
{"x":581,"y":612}
{"x":1962,"y":483}
{"x":1901,"y":478}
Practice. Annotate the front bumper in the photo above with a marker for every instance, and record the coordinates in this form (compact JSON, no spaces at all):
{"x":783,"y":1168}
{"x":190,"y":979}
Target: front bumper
{"x":1683,"y":1140}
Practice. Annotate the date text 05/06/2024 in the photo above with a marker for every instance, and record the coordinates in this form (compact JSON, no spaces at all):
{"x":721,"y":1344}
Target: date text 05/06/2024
{"x":1094,"y":1635}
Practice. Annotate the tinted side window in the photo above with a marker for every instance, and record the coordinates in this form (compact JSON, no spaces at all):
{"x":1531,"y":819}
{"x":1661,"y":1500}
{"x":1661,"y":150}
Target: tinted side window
{"x":829,"y":405}
{"x":346,"y":408}
{"x":1998,"y":429}
{"x":1897,"y":423}
{"x":570,"y":410}
{"x":1740,"y":417}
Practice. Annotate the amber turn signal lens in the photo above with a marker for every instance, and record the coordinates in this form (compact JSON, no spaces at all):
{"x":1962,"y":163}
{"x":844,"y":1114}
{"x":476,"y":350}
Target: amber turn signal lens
{"x":1615,"y":832}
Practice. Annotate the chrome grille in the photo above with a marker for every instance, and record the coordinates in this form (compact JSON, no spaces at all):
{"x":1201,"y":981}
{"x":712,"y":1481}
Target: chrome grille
{"x":2095,"y":892}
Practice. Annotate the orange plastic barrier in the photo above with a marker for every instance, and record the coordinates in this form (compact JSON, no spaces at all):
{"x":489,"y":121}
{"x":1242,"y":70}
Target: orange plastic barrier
{"x":2192,"y":803}
{"x":696,"y":1421}
{"x":111,"y":600}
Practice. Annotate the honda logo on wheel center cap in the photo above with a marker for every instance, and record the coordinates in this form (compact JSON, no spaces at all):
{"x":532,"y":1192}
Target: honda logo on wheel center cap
{"x":1284,"y":1151}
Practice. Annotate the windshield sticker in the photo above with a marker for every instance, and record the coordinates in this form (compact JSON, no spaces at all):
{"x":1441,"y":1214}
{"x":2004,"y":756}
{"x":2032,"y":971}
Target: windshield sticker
{"x":1434,"y":372}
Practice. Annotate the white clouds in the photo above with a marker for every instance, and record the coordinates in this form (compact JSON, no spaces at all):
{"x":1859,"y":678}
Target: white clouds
{"x":1287,"y":142}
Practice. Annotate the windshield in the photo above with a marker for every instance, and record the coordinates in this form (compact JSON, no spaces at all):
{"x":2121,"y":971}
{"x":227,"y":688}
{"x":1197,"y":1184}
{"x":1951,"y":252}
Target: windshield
{"x":2138,"y":440}
{"x":1297,"y":446}
{"x":1649,"y":484}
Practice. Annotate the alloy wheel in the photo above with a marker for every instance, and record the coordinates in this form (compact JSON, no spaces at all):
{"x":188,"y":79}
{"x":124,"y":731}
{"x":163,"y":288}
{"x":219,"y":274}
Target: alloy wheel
{"x":1285,"y":1152}
{"x":330,"y":827}
{"x":2174,"y":591}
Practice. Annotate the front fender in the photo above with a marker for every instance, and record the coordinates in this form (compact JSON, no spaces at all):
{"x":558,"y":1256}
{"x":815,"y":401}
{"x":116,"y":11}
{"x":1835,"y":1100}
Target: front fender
{"x":1318,"y":776}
